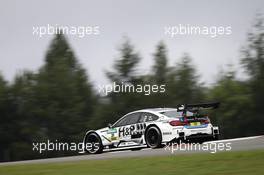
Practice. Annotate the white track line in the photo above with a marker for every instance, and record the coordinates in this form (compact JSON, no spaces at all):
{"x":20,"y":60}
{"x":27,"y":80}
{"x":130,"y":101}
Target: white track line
{"x":236,"y":139}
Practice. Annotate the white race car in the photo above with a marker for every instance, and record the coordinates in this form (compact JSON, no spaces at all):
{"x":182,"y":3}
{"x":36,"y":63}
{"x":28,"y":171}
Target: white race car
{"x":154,"y":128}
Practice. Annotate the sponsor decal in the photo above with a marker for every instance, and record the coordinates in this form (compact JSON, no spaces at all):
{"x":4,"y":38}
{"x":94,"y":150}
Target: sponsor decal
{"x":199,"y":126}
{"x":113,"y":138}
{"x":112,"y":131}
{"x":167,"y":133}
{"x":135,"y":129}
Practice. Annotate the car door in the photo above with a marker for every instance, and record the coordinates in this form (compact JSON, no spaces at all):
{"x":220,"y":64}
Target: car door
{"x":138,"y":128}
{"x":145,"y":119}
{"x":125,"y":127}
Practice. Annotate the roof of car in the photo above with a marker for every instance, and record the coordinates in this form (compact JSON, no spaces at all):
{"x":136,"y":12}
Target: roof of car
{"x":156,"y":109}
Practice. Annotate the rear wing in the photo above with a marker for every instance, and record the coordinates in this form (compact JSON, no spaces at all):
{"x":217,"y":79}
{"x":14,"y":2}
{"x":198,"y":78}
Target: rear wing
{"x":197,"y":107}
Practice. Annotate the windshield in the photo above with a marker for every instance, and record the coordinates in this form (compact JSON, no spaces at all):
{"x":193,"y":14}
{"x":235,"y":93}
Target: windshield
{"x":175,"y":113}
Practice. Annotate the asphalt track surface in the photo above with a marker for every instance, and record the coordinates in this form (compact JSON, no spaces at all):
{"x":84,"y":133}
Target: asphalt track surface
{"x":238,"y":144}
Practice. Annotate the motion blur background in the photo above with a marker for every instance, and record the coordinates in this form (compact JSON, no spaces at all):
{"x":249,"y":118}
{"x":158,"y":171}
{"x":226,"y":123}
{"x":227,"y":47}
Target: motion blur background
{"x":49,"y":84}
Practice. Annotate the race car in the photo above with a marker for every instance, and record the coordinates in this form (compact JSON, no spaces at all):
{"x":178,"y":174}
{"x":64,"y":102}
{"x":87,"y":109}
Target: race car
{"x":154,"y":127}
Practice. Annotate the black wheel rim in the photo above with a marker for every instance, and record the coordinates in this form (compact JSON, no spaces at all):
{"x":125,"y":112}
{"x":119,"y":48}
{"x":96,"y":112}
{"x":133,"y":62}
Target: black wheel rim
{"x":94,"y":144}
{"x":152,"y":137}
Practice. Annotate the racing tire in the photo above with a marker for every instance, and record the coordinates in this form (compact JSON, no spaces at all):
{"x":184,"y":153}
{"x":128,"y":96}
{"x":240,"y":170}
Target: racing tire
{"x":93,"y":144}
{"x":153,"y":137}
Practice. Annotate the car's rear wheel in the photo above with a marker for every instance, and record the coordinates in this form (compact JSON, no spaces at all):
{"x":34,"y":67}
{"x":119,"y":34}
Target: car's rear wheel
{"x":93,"y":144}
{"x":153,"y":137}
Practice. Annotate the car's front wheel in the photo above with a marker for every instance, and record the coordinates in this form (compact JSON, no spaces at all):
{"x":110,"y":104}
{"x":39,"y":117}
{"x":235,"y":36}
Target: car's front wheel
{"x":93,"y":144}
{"x":153,"y":137}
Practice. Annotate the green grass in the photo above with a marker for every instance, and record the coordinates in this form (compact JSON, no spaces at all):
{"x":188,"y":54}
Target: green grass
{"x":245,"y":162}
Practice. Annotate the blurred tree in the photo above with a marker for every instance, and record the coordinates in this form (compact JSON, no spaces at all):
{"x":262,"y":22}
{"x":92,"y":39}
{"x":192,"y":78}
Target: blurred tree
{"x":124,"y":73}
{"x":125,"y":65}
{"x":54,"y":104}
{"x":183,"y":84}
{"x":7,"y":127}
{"x":65,"y":98}
{"x":234,"y":115}
{"x":27,"y":126}
{"x":253,"y":61}
{"x":158,"y":77}
{"x":160,"y":67}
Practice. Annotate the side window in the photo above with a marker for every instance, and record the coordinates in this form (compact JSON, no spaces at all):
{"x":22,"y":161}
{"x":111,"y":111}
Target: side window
{"x":133,"y":118}
{"x":147,"y":117}
{"x":129,"y":119}
{"x":121,"y":122}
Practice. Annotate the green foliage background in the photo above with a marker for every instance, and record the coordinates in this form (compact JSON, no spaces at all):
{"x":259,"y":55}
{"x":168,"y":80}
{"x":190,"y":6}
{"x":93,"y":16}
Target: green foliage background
{"x":58,"y":102}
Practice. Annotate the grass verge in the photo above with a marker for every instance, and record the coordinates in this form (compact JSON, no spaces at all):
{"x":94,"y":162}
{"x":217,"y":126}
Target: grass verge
{"x":240,"y":163}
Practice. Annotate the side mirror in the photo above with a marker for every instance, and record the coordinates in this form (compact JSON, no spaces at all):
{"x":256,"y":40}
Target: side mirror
{"x":109,"y":125}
